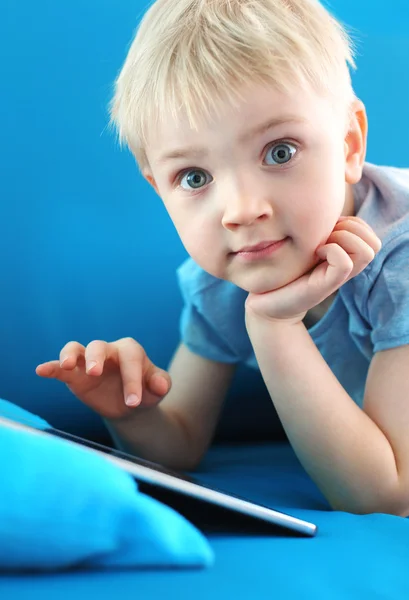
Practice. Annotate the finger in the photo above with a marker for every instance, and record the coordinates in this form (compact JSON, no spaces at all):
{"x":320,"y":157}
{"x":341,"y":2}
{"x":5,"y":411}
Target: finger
{"x":96,"y":353}
{"x":46,"y":369}
{"x":352,"y":218}
{"x":338,"y":269}
{"x":157,"y":380}
{"x":53,"y":370}
{"x":70,"y":355}
{"x":362,"y":229}
{"x":360,"y":252}
{"x":345,"y":221}
{"x":130,"y":358}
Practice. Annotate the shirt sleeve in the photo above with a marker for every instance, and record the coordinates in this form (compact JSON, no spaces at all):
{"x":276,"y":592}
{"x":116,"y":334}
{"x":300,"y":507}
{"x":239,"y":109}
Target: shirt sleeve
{"x":201,"y":338}
{"x":198,"y":322}
{"x":388,"y":298}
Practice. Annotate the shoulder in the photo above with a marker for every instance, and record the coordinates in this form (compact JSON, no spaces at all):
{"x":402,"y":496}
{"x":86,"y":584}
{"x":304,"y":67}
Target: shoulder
{"x":381,"y":292}
{"x":202,"y":289}
{"x":382,"y":200}
{"x":193,"y":280}
{"x":213,"y":323}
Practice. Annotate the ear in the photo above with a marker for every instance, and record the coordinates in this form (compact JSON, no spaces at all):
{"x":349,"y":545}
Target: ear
{"x":149,"y":178}
{"x":355,"y":142}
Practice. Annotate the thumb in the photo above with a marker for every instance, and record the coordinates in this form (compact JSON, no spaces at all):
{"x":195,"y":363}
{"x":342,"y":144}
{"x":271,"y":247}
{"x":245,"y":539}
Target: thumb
{"x":157,"y":381}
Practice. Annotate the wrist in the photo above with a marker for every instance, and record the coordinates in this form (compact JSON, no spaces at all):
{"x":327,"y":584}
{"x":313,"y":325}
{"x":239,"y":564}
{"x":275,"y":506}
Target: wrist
{"x":256,"y":320}
{"x":131,"y":415}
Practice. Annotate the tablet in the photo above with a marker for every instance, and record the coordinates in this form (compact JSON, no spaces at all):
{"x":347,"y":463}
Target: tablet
{"x":206,"y":506}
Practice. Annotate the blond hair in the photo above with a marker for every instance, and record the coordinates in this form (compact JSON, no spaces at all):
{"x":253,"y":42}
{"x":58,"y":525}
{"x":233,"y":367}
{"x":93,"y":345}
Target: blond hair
{"x":192,"y":54}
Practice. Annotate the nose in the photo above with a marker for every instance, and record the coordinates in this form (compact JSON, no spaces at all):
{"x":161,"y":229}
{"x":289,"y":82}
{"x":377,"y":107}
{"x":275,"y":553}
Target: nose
{"x":245,"y":206}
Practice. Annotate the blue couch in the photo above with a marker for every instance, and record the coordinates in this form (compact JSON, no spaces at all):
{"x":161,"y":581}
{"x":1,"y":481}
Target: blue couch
{"x":81,"y":260}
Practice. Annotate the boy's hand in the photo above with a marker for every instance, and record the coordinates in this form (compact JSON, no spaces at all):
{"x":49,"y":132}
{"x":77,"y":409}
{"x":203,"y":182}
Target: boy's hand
{"x":111,"y":378}
{"x":350,"y":248}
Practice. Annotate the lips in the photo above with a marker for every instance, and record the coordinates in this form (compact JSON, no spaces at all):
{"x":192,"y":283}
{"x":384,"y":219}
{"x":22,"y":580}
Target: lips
{"x":258,"y":247}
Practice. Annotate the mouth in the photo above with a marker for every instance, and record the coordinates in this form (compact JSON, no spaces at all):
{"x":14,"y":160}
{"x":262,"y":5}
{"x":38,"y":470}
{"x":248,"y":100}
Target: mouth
{"x":259,"y":246}
{"x":259,"y":251}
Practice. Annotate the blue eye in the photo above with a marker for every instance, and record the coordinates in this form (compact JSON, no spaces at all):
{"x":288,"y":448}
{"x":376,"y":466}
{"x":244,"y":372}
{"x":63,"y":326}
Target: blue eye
{"x":281,"y":153}
{"x":195,"y":179}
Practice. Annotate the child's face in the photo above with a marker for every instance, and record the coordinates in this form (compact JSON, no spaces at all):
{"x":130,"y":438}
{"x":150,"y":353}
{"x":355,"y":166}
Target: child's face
{"x":235,"y":185}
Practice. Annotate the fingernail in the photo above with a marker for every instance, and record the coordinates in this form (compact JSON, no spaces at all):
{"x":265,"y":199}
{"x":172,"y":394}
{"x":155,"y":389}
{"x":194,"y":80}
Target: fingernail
{"x":63,"y":361}
{"x":91,"y":365}
{"x":132,"y":400}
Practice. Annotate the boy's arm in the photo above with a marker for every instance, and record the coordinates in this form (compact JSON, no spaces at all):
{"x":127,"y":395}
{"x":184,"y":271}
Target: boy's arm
{"x":178,"y":431}
{"x":358,"y":458}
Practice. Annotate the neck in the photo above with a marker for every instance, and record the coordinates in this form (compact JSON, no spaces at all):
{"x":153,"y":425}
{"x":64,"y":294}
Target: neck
{"x":349,"y":206}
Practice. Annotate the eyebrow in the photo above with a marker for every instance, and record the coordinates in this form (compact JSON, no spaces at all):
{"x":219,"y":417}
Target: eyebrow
{"x":198,"y":152}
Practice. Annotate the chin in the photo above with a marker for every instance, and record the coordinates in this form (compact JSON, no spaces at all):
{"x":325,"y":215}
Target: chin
{"x":263,"y":281}
{"x":259,"y":287}
{"x":263,"y":289}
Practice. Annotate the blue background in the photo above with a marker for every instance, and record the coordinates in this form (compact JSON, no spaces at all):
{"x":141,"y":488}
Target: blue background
{"x":87,"y":249}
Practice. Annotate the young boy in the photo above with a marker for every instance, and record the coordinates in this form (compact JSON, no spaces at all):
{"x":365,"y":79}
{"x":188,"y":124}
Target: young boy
{"x":242,"y":116}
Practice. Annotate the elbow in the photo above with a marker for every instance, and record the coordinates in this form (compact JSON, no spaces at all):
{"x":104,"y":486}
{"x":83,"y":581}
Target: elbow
{"x":191,"y":466}
{"x":183,"y":464}
{"x":193,"y":461}
{"x":398,"y":507}
{"x":370,"y":510}
{"x":382,"y":509}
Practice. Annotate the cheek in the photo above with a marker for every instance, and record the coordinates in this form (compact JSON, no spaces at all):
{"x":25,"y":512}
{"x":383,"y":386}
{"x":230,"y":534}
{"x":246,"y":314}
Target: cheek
{"x":193,"y":228}
{"x":199,"y":239}
{"x":314,"y":211}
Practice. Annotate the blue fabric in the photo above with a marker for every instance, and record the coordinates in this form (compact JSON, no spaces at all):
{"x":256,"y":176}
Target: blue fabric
{"x":352,"y":557}
{"x":370,"y":313}
{"x":62,"y":506}
{"x":11,"y":411}
{"x":69,"y":189}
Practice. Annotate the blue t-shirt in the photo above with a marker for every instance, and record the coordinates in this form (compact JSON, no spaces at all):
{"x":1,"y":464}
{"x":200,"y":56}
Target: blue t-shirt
{"x":370,"y":312}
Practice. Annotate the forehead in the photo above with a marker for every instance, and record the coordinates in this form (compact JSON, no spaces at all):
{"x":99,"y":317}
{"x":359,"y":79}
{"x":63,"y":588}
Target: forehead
{"x":257,"y":106}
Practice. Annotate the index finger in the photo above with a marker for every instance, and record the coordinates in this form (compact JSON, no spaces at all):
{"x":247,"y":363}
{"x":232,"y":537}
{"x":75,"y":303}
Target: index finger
{"x":130,"y":357}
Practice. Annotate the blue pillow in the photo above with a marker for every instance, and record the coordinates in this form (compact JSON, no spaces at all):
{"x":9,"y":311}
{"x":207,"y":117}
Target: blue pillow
{"x":62,"y":506}
{"x":16,"y":413}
